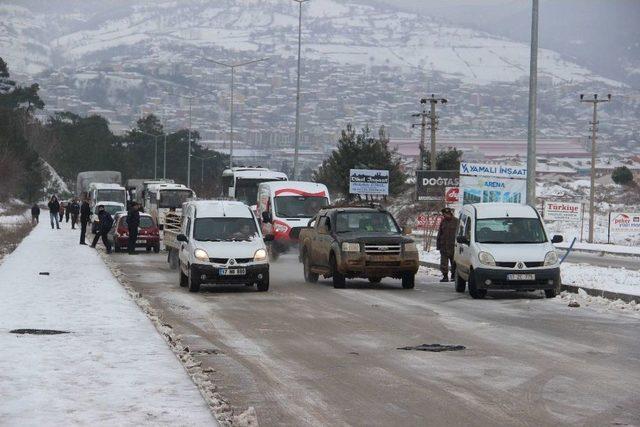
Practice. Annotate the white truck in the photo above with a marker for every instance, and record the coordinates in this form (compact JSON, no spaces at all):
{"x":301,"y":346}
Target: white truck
{"x":85,"y":179}
{"x":217,"y":241}
{"x":162,"y":198}
{"x":100,"y":192}
{"x":241,"y":183}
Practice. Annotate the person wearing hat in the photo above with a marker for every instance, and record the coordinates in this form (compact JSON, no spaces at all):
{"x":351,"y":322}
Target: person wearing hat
{"x":446,"y":243}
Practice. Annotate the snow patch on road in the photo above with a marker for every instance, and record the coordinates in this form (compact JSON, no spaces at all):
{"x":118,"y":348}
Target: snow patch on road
{"x":599,"y":303}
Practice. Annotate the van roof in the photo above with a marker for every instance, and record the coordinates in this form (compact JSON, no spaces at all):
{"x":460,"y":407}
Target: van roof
{"x":502,"y":210}
{"x":221,"y":208}
{"x":305,"y":186}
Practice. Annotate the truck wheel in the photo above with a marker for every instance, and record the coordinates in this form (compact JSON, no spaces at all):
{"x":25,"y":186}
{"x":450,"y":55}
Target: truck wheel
{"x":273,"y":253}
{"x":183,"y":277}
{"x":473,"y":289}
{"x":263,"y":285}
{"x":194,"y":282}
{"x":460,"y":283}
{"x":339,"y":281}
{"x":156,"y":249}
{"x":408,"y":281}
{"x":309,"y":276}
{"x":550,"y":293}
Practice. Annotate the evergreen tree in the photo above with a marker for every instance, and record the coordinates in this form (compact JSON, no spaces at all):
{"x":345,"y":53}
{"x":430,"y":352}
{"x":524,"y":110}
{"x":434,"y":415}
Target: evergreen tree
{"x":622,"y":176}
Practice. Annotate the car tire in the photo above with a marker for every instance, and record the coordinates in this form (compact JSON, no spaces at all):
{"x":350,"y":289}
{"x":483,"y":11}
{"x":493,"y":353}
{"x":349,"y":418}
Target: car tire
{"x":339,"y":281}
{"x":194,"y":282}
{"x":148,"y":248}
{"x":460,"y":283}
{"x":408,"y":280}
{"x":183,"y":278}
{"x":309,"y":276}
{"x":375,"y":280}
{"x":550,"y":293}
{"x":273,"y":253}
{"x":156,"y":249}
{"x":473,"y":289}
{"x":172,"y":258}
{"x":263,"y":285}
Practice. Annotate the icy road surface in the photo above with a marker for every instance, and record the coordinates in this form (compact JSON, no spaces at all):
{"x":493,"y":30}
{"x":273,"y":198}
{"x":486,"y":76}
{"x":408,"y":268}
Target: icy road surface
{"x":308,"y":354}
{"x":112,"y":368}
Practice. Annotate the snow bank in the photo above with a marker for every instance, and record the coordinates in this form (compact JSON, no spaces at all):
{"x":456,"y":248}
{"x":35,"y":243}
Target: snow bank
{"x":112,"y":368}
{"x":609,"y":279}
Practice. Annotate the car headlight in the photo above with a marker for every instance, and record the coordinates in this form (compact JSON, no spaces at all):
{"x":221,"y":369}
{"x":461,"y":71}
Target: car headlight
{"x":260,"y":255}
{"x":280,"y":228}
{"x":350,"y":247}
{"x":410,"y":247}
{"x":201,"y":255}
{"x":551,"y":258}
{"x":486,"y":258}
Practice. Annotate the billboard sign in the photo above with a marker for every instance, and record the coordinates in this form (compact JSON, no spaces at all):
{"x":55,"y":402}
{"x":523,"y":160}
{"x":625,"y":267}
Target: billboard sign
{"x":624,"y":222}
{"x":432,"y":185}
{"x":487,"y":183}
{"x":562,"y":211}
{"x":452,"y":195}
{"x":369,"y":182}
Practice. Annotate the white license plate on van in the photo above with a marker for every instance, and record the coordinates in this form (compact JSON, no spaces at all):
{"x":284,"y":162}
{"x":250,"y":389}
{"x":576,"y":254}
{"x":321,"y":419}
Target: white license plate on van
{"x":232,"y":271}
{"x":521,"y":277}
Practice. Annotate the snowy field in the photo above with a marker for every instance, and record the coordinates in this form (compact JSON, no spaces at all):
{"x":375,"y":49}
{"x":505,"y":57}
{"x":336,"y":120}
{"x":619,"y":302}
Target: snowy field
{"x":111,"y":368}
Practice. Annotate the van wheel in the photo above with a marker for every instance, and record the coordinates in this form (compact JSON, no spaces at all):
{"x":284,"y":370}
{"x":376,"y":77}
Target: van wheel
{"x":194,"y":282}
{"x":460,"y":283}
{"x":550,"y":293}
{"x":173,"y":259}
{"x":473,"y":289}
{"x":183,"y":277}
{"x":408,"y":281}
{"x":339,"y":281}
{"x":309,"y":276}
{"x":263,"y":285}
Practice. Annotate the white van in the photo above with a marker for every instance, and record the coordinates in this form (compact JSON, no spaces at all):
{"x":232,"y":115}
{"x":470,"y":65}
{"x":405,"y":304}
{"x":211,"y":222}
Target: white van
{"x":286,"y":207}
{"x":505,"y":246}
{"x":221,"y":242}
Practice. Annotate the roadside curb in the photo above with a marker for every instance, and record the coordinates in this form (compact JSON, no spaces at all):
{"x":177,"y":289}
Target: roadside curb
{"x":573,"y":288}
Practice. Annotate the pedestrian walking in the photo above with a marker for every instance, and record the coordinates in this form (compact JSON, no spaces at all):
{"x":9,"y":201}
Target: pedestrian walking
{"x":75,"y":211}
{"x":54,"y":209}
{"x":35,"y":214}
{"x":61,"y":210}
{"x":446,"y":243}
{"x":133,"y":223}
{"x":105,"y":221}
{"x":85,"y":216}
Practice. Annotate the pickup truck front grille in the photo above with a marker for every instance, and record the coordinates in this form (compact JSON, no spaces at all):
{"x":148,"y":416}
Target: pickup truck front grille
{"x":226,"y":260}
{"x":393,"y":249}
{"x":529,"y":264}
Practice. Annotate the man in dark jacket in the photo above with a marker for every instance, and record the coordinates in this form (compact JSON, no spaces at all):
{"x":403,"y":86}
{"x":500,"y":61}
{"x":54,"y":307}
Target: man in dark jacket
{"x":446,"y":243}
{"x":54,"y":208}
{"x":85,"y":216}
{"x":67,"y":211}
{"x":105,"y":222}
{"x":133,"y":223}
{"x":75,"y":211}
{"x":35,"y":214}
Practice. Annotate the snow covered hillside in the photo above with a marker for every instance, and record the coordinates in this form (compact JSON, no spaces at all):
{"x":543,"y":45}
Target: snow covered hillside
{"x":335,"y":30}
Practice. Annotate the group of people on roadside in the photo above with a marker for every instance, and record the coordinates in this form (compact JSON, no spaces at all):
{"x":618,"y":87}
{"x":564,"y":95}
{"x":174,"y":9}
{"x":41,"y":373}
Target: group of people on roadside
{"x":75,"y":210}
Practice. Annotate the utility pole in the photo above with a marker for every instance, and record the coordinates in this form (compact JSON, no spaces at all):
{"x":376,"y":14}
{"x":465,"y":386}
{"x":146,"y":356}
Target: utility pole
{"x":164,"y":131}
{"x":594,"y":130}
{"x":533,"y":93}
{"x":433,"y":126}
{"x":189,"y":149}
{"x":233,"y":69}
{"x":297,"y":136}
{"x":423,"y":126}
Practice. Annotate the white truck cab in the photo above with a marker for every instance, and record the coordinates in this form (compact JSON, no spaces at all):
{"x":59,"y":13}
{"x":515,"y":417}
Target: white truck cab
{"x":504,"y":246}
{"x":221,"y":242}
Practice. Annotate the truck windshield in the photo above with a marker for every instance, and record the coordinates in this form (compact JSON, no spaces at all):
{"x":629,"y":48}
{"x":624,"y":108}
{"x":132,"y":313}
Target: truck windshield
{"x":118,"y":196}
{"x":376,"y":222}
{"x":247,"y":189}
{"x":510,"y":230}
{"x":173,"y":198}
{"x":298,"y":206}
{"x":224,"y":229}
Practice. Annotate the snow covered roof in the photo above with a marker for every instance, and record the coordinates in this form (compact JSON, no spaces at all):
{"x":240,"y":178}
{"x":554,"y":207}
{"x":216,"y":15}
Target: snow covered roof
{"x":503,"y":210}
{"x":221,"y":208}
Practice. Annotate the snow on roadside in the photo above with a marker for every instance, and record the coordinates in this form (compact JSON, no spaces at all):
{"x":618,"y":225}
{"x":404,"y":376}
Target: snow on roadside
{"x":112,"y":368}
{"x":609,"y":279}
{"x":599,"y":303}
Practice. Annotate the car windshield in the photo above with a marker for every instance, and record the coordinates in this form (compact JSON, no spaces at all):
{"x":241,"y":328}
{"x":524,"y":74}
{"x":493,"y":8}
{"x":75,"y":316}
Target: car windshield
{"x":111,"y":196}
{"x":510,"y":230}
{"x":173,"y":198}
{"x":377,"y":222}
{"x":145,"y":222}
{"x":298,"y":206}
{"x":225,"y":229}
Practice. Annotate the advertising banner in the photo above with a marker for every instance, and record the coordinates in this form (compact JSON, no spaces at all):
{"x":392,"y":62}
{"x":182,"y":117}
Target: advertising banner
{"x":428,"y":221}
{"x":452,"y":195}
{"x":487,"y":183}
{"x":369,"y":182}
{"x":432,"y":185}
{"x":624,"y":223}
{"x":562,"y":211}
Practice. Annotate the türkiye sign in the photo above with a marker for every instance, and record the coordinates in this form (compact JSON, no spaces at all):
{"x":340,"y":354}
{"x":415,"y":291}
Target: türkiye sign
{"x":562,"y":211}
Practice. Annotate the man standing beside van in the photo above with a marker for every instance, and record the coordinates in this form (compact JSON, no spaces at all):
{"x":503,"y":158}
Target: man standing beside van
{"x":85,"y":215}
{"x":133,"y":222}
{"x":446,"y":243}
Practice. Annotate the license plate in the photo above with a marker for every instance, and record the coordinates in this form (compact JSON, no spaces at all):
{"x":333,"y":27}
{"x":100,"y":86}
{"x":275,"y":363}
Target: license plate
{"x":141,"y":241}
{"x":521,"y":277}
{"x":232,"y":271}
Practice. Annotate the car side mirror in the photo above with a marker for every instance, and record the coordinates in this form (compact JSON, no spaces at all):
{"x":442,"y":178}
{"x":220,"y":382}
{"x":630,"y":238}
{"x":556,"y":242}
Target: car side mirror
{"x":268,"y":238}
{"x":182,"y":238}
{"x":407,"y":231}
{"x":557,"y":239}
{"x":266,"y":217}
{"x":462,"y":240}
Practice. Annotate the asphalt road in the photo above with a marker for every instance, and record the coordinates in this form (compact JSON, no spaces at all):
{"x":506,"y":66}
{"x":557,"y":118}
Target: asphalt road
{"x":308,"y":354}
{"x":628,"y":262}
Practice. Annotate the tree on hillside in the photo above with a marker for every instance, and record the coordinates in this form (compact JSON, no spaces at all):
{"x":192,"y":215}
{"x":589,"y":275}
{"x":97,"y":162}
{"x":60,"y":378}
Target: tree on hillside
{"x":360,"y":151}
{"x":447,"y":160}
{"x":622,"y":175}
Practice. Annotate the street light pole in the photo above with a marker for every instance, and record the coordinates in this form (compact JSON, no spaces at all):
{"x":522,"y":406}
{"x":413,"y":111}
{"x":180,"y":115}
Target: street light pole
{"x":297,"y":135}
{"x":233,"y":67}
{"x":594,"y":130}
{"x":533,"y":94}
